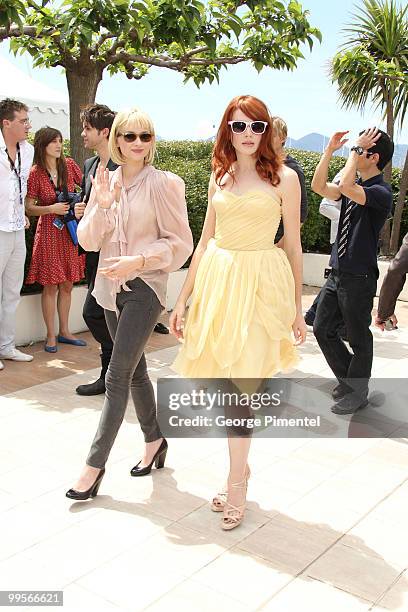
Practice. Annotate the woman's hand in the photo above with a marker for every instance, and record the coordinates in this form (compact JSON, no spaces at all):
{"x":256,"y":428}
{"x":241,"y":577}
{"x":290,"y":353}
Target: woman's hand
{"x":299,"y":329}
{"x":26,"y":222}
{"x":59,"y":208}
{"x":79,"y":209}
{"x":122,"y":266}
{"x":176,"y":322}
{"x":105,"y":196}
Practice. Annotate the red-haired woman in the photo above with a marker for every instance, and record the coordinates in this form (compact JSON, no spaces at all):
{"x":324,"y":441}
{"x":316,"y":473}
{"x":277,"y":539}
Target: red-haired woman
{"x":55,"y":262}
{"x":246,"y":298}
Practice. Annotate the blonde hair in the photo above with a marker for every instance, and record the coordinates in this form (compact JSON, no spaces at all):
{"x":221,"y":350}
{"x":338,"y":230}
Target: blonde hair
{"x":127,"y":120}
{"x":280,"y":128}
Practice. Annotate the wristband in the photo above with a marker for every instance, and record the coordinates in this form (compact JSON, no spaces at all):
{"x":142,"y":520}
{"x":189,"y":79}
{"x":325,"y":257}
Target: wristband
{"x":144,"y":260}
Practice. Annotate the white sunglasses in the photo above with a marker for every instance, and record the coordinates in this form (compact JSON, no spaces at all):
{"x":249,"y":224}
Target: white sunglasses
{"x":239,"y":127}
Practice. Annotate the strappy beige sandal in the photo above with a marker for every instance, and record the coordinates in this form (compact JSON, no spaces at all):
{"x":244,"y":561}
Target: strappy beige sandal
{"x":233,"y":515}
{"x":219,"y":501}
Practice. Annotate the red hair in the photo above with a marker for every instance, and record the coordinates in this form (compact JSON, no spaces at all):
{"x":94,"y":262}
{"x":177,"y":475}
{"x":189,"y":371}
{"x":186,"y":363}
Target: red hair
{"x":268,"y":162}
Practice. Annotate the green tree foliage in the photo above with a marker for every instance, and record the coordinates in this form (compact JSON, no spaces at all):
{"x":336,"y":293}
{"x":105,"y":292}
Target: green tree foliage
{"x":372,"y":67}
{"x":193,"y":37}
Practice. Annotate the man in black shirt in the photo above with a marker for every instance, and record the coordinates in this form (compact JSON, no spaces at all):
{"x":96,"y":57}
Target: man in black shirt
{"x":352,"y":284}
{"x":280,"y":134}
{"x":97,"y":120}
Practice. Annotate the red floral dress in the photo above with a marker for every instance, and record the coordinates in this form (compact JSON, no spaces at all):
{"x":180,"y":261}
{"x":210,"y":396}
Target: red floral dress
{"x":54,"y":258}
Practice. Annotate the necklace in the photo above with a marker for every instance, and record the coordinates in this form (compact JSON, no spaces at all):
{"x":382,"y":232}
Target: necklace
{"x":54,"y":176}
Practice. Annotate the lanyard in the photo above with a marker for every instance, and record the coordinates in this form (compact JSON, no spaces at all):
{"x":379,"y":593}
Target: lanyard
{"x":14,"y":169}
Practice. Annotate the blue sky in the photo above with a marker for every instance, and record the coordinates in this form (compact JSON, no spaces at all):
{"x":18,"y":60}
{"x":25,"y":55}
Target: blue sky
{"x":305,"y":98}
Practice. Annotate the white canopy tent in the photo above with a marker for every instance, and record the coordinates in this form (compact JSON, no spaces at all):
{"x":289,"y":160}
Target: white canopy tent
{"x":47,"y":106}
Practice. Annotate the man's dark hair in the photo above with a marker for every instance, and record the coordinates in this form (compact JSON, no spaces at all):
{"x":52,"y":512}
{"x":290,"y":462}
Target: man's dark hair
{"x":384,"y":147}
{"x":98,"y":116}
{"x":8,"y":107}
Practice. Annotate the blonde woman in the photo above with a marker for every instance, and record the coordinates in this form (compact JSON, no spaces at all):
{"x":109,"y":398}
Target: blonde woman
{"x":137,"y":217}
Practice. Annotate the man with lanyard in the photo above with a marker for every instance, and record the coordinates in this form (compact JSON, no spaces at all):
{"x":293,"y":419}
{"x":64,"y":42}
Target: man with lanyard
{"x":96,"y":121}
{"x":351,"y":286}
{"x":16,"y":157}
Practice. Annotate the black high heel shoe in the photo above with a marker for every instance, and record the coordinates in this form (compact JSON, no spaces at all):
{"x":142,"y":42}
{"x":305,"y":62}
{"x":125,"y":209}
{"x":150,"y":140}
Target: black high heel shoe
{"x":158,"y":459}
{"x":91,"y":492}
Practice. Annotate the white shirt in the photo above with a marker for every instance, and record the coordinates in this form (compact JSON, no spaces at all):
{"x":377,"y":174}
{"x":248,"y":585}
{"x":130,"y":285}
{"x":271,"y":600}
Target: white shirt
{"x":331,"y":210}
{"x":11,"y":205}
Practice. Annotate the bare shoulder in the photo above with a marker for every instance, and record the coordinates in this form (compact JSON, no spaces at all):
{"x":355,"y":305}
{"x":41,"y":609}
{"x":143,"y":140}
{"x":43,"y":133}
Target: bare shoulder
{"x":287,"y":175}
{"x":212,"y":185}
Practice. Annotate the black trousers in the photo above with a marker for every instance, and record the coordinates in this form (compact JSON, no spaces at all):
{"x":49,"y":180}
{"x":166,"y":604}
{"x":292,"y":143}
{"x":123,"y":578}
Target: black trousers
{"x":313,"y":308}
{"x":311,"y":313}
{"x":94,"y":315}
{"x":349,"y":298}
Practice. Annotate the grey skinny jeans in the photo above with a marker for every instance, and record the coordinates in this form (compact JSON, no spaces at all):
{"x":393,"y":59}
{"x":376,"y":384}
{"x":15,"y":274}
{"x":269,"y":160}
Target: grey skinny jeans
{"x":139,"y":310}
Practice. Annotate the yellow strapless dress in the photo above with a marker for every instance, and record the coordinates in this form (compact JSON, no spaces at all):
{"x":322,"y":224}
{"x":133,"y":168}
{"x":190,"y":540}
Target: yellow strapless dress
{"x":243,"y":304}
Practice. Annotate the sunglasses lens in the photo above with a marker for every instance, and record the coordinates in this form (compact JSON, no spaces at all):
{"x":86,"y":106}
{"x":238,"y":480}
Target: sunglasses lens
{"x":238,"y":127}
{"x":129,"y":137}
{"x":145,"y":137}
{"x":258,"y":127}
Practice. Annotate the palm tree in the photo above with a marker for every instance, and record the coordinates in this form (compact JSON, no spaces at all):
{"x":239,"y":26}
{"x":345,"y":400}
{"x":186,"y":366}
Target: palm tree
{"x":372,"y":67}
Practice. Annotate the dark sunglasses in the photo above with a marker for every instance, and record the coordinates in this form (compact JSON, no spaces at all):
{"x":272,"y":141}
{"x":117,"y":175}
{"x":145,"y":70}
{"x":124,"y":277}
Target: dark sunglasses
{"x":239,"y":127}
{"x":131,"y":136}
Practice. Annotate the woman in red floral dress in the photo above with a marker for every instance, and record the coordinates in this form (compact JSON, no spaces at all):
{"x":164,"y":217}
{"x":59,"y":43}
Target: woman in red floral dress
{"x":55,"y":262}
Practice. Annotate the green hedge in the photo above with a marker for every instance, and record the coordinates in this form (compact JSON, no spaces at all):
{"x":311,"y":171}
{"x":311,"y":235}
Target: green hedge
{"x":191,"y":160}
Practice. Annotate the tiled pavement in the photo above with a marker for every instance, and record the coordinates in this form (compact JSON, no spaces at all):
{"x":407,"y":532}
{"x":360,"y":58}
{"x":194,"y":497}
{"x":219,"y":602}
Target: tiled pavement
{"x":325,"y":528}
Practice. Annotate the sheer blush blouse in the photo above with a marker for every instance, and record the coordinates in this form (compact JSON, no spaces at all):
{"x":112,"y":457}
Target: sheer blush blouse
{"x":150,"y":219}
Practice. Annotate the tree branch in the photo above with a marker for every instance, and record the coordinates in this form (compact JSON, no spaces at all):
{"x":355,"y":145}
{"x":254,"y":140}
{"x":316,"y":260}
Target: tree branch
{"x":164,"y":61}
{"x":194,"y":52}
{"x":16,"y":31}
{"x":118,"y":44}
{"x":31,"y":31}
{"x":237,"y":59}
{"x":101,"y":40}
